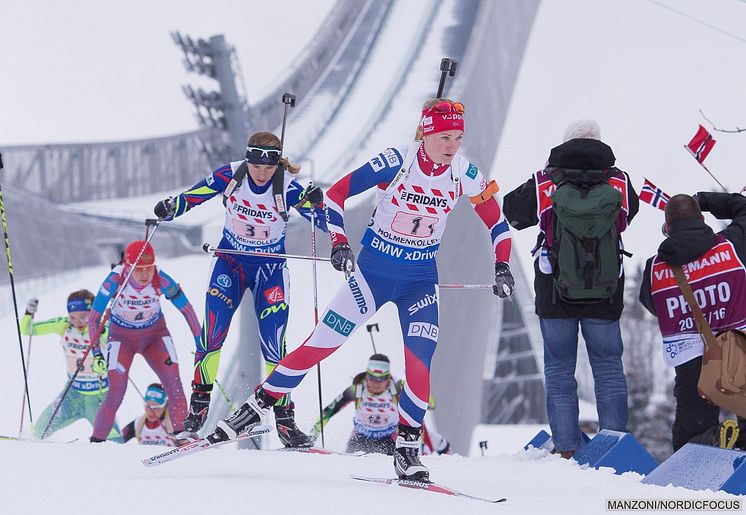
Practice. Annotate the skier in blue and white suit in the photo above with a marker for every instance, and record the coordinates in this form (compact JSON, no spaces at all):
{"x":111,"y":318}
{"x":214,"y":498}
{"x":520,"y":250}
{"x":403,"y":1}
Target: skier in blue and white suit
{"x":252,"y":223}
{"x":417,"y":188}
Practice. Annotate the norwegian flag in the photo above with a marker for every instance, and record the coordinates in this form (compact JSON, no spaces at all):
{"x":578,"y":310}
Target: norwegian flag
{"x":654,"y":196}
{"x":701,"y":145}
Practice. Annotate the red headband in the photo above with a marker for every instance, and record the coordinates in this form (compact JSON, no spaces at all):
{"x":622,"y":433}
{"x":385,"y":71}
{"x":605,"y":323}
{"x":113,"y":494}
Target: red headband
{"x":434,"y":121}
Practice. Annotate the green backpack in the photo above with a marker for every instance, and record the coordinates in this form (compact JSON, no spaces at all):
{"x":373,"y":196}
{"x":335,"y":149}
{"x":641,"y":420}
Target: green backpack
{"x":585,"y":251}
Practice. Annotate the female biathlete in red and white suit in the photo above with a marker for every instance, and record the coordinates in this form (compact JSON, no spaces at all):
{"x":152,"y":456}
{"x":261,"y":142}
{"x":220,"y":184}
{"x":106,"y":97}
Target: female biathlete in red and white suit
{"x":417,"y":188}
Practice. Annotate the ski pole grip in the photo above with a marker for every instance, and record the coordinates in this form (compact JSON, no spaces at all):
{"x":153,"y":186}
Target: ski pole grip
{"x":289,"y":99}
{"x":206,"y":247}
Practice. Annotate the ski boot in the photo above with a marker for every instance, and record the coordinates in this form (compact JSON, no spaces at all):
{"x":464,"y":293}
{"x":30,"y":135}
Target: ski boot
{"x":287,"y":430}
{"x":245,"y":418}
{"x":407,"y":455}
{"x":199,"y":404}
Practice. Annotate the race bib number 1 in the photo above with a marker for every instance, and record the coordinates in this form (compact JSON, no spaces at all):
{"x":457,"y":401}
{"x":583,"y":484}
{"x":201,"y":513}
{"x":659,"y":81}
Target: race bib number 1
{"x":413,"y":224}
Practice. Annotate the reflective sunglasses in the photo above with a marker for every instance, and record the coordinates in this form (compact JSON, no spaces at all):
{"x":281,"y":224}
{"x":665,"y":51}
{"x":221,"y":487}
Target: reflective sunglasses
{"x":448,"y":107}
{"x":263,"y":155}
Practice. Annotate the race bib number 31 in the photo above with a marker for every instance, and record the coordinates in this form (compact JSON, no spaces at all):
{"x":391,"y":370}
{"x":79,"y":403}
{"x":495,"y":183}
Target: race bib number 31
{"x":251,"y":232}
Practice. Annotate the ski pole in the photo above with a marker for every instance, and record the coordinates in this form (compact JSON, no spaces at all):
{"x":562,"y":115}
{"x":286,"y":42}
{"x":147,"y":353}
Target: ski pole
{"x":225,"y":396}
{"x":466,"y":286}
{"x":28,"y":371}
{"x":447,"y":67}
{"x":370,"y":328}
{"x":148,"y":223}
{"x":316,"y":319}
{"x":95,"y":336}
{"x":13,"y":292}
{"x":212,"y":250}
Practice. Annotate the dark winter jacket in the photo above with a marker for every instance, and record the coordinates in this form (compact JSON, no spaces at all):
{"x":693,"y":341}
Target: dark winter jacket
{"x":523,"y":209}
{"x":690,"y":238}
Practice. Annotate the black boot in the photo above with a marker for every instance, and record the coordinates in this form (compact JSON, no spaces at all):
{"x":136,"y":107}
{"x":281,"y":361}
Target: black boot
{"x":287,"y":430}
{"x":245,"y":418}
{"x":198,"y":407}
{"x":407,"y":455}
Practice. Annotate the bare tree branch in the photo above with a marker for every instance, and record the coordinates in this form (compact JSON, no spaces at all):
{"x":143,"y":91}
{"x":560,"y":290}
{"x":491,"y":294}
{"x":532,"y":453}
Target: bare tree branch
{"x":737,"y":129}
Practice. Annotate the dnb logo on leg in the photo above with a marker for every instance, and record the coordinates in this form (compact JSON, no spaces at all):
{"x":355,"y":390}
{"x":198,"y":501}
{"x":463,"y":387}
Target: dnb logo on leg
{"x":423,"y":330}
{"x":339,"y":323}
{"x":274,"y":295}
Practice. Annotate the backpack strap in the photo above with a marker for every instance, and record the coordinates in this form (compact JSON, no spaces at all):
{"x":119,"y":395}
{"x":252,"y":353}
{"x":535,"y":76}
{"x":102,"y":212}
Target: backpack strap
{"x":278,"y":191}
{"x":403,"y":173}
{"x":702,"y":326}
{"x":235,"y":181}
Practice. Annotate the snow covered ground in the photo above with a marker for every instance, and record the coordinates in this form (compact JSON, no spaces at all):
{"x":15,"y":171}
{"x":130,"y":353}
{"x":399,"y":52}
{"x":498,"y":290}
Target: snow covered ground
{"x":80,"y":478}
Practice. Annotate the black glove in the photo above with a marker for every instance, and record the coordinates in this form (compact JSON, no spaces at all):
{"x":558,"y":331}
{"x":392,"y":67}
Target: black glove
{"x":165,"y":209}
{"x":504,"y":282}
{"x":313,"y":195}
{"x":342,"y":258}
{"x":32,"y":306}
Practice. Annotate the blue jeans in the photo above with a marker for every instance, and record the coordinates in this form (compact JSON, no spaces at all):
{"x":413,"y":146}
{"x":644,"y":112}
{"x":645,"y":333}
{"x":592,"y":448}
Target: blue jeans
{"x":603,"y":341}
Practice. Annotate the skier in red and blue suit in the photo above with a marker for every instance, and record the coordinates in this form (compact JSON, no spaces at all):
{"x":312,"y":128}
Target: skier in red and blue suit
{"x":252,"y":223}
{"x":417,"y":187}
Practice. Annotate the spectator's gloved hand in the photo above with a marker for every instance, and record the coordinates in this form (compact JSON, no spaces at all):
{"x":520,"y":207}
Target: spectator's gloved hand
{"x":32,"y":306}
{"x":343,"y":259}
{"x":165,"y":209}
{"x":313,"y":195}
{"x":99,"y":364}
{"x":504,"y":282}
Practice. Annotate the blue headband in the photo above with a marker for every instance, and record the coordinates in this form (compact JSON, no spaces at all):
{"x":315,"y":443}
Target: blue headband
{"x":78,"y":305}
{"x":156,"y":395}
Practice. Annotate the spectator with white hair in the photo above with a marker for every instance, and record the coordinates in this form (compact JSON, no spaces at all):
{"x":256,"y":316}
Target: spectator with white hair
{"x":581,"y":203}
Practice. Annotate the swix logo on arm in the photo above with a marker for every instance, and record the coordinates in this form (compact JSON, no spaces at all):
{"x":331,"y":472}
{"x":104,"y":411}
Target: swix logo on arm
{"x":274,"y":295}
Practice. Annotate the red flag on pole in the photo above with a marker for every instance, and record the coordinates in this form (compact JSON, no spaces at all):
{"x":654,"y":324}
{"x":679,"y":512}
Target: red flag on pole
{"x":701,"y":144}
{"x":654,"y":196}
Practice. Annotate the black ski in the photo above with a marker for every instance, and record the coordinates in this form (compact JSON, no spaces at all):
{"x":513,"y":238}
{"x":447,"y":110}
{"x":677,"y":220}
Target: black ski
{"x":425,"y":485}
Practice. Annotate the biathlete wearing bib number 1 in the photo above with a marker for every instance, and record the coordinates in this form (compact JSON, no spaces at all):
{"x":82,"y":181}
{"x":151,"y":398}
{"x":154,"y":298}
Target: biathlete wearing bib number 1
{"x":252,"y":222}
{"x":417,"y":188}
{"x":137,"y":326}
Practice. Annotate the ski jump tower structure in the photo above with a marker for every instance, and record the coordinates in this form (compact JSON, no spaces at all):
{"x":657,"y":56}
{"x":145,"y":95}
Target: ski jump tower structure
{"x":488,"y":365}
